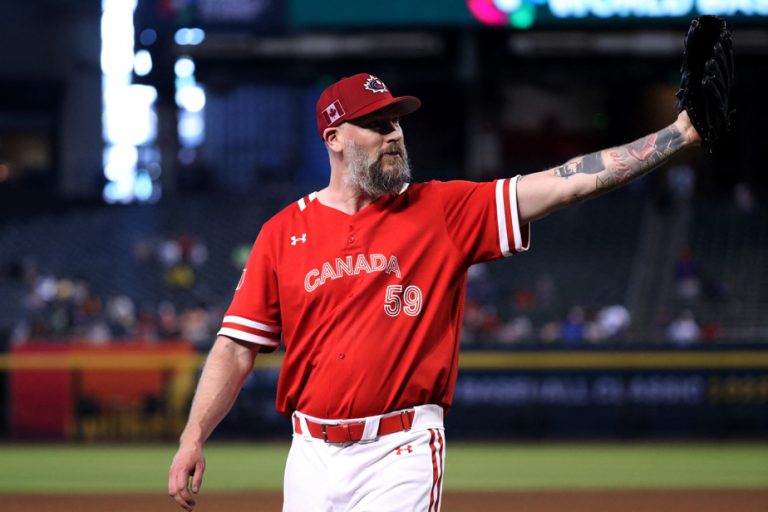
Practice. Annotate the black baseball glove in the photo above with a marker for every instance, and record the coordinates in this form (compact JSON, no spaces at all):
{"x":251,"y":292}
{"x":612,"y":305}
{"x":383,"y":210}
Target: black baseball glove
{"x":707,"y":77}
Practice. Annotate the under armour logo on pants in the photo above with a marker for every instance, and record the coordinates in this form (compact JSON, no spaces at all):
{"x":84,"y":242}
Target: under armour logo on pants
{"x":402,"y":449}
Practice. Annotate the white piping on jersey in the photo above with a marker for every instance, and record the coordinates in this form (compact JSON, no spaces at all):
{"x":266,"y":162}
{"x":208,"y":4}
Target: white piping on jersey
{"x":246,"y":336}
{"x":303,"y":204}
{"x":501,"y":215}
{"x":405,"y":187}
{"x":514,"y":213}
{"x":250,"y":323}
{"x":501,"y":218}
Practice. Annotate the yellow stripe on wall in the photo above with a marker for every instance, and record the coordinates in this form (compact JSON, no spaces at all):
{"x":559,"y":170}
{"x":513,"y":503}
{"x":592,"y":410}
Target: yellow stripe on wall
{"x":497,"y":360}
{"x":577,"y":360}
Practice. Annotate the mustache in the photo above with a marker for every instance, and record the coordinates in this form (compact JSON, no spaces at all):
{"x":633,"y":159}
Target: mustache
{"x":398,"y":149}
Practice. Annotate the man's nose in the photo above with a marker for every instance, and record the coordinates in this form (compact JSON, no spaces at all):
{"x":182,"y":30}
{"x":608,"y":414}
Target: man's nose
{"x":395,"y":133}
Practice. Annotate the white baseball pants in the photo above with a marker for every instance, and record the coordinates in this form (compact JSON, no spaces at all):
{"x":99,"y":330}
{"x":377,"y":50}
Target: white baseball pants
{"x":399,"y":472}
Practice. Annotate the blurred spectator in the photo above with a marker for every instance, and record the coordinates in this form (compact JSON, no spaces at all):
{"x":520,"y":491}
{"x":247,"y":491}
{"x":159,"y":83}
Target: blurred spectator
{"x":549,"y":332}
{"x":21,"y":332}
{"x":68,"y":310}
{"x":180,"y":276}
{"x":481,"y":322}
{"x":710,"y":332}
{"x":185,"y":248}
{"x":121,"y":315}
{"x":146,"y":324}
{"x":97,"y":332}
{"x":87,"y":311}
{"x":681,"y":180}
{"x":612,"y":322}
{"x":167,"y":321}
{"x":196,"y":327}
{"x":179,"y":256}
{"x":481,"y":316}
{"x":692,"y":283}
{"x":169,"y":253}
{"x":43,"y":291}
{"x":684,"y":330}
{"x":524,"y":299}
{"x":573,"y":329}
{"x":480,"y":286}
{"x":195,"y":252}
{"x":517,"y":330}
{"x":687,"y":279}
{"x":545,"y":292}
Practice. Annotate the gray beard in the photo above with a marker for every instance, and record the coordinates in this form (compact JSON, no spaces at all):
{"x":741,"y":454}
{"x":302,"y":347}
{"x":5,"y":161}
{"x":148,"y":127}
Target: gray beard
{"x":366,"y":173}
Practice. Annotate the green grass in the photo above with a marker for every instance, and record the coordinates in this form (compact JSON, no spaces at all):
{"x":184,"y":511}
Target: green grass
{"x":660,"y":466}
{"x":134,"y":468}
{"x":143,"y":468}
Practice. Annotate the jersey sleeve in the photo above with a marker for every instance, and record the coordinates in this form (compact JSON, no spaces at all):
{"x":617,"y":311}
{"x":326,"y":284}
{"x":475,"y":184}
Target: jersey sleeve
{"x":482,"y":219}
{"x":254,"y":314}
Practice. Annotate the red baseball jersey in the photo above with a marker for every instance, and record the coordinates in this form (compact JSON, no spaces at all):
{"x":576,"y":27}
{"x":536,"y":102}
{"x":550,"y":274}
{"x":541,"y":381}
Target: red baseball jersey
{"x":369,"y":306}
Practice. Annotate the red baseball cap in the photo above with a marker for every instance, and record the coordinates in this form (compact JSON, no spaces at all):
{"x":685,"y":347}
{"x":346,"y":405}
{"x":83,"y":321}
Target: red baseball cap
{"x":358,"y":95}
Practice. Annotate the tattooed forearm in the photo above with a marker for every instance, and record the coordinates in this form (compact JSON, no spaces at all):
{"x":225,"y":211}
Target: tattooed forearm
{"x":591,"y":175}
{"x":625,"y":163}
{"x":589,"y":164}
{"x":617,"y":166}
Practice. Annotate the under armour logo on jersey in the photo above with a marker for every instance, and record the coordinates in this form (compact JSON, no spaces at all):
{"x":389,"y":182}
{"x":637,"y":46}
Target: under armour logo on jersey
{"x":407,"y":448}
{"x":297,"y":239}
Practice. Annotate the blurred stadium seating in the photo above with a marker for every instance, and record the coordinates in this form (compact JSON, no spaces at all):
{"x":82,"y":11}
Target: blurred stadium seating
{"x":587,"y":253}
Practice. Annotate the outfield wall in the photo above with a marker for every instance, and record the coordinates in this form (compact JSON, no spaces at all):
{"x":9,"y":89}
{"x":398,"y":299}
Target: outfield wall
{"x":718,"y":393}
{"x":139,"y":391}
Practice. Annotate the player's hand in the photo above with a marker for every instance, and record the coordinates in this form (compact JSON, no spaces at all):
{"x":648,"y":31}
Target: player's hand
{"x":188,"y":462}
{"x":685,"y":126}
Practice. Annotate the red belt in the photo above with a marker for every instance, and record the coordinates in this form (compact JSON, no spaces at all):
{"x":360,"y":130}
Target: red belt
{"x":353,"y":432}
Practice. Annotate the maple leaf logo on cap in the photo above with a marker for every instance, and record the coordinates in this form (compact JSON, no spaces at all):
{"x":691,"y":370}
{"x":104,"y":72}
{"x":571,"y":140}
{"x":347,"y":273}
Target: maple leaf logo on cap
{"x":373,"y":84}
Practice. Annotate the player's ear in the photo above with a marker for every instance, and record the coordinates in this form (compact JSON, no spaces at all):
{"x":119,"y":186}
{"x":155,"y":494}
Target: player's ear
{"x":332,"y":138}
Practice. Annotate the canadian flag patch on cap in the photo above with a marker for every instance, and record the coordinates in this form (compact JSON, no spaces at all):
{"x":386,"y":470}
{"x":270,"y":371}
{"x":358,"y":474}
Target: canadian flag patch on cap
{"x":333,"y":112}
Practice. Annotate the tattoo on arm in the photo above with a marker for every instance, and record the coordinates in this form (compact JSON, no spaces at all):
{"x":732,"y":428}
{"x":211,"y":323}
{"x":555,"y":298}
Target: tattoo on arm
{"x":588,"y":164}
{"x":617,"y":166}
{"x":640,"y":157}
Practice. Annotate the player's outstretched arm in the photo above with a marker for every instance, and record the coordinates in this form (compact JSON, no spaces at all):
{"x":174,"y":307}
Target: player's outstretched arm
{"x":226,"y":368}
{"x":591,"y":175}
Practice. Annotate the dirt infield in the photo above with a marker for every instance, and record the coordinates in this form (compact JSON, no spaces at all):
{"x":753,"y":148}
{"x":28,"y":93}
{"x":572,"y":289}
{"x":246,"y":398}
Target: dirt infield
{"x":523,"y":501}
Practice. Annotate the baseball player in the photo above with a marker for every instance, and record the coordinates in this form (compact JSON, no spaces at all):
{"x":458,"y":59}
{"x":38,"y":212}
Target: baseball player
{"x":363,"y":283}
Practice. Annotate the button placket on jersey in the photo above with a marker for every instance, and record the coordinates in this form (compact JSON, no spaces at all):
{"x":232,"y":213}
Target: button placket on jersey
{"x":350,"y":249}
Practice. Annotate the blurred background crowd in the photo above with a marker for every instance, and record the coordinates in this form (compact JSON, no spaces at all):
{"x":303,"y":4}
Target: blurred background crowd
{"x":138,"y":163}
